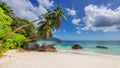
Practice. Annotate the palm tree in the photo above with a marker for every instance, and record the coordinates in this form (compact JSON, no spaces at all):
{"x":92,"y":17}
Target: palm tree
{"x":46,"y":27}
{"x":45,"y":30}
{"x":53,"y":18}
{"x":52,"y":21}
{"x":57,"y":14}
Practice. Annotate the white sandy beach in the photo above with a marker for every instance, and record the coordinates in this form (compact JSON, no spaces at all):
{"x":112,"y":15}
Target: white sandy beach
{"x":33,"y":59}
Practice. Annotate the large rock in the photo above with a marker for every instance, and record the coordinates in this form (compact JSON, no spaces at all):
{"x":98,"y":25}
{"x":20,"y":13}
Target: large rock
{"x":102,"y":47}
{"x":47,"y":48}
{"x":33,"y":46}
{"x":77,"y":46}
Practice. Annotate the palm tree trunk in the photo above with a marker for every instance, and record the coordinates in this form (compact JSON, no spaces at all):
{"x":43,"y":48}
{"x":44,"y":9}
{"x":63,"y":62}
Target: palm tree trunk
{"x":23,"y":26}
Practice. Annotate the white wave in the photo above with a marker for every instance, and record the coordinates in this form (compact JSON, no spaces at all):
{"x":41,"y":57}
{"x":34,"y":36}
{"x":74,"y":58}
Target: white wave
{"x":87,"y":52}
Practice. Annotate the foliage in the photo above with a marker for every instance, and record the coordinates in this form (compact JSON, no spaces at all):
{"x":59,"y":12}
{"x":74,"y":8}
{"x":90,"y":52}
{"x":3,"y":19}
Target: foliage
{"x":9,"y":22}
{"x":5,"y":22}
{"x":5,"y":29}
{"x":45,"y":29}
{"x":52,"y":21}
{"x":8,"y":11}
{"x":57,"y":14}
{"x":28,"y":31}
{"x":15,"y":41}
{"x":1,"y":50}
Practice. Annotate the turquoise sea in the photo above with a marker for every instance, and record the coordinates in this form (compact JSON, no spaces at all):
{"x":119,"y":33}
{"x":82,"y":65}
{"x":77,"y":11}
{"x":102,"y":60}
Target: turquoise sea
{"x":88,"y":47}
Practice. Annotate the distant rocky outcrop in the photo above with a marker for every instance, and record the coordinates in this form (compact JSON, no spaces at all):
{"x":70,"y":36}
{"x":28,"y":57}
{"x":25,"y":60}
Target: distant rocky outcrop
{"x":47,"y":48}
{"x":77,"y":46}
{"x":33,"y":46}
{"x":102,"y":47}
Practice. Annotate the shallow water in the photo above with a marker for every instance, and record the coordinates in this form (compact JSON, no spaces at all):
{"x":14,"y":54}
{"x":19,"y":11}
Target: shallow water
{"x":88,"y":46}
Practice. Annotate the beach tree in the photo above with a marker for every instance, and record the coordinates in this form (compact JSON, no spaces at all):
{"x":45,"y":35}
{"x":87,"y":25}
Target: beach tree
{"x":5,"y":29}
{"x":15,"y":30}
{"x":28,"y":31}
{"x":58,"y":13}
{"x":51,"y":22}
{"x":46,"y":27}
{"x":5,"y":22}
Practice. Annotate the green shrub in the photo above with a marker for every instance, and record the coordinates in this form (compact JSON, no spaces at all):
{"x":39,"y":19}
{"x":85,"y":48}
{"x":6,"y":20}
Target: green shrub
{"x":25,"y":44}
{"x":15,"y":41}
{"x":5,"y":22}
{"x":5,"y":29}
{"x":1,"y":50}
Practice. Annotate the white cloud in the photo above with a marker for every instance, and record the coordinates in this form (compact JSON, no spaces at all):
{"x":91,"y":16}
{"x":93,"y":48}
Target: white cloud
{"x":78,"y":32}
{"x":71,"y":12}
{"x":25,"y":9}
{"x":101,"y":18}
{"x":46,"y":3}
{"x":76,"y":21}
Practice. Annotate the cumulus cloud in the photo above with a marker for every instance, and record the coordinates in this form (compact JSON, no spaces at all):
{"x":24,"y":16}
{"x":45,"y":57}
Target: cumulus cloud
{"x":25,"y":9}
{"x":71,"y":12}
{"x":78,"y":32}
{"x":76,"y":21}
{"x":46,"y":3}
{"x":101,"y":18}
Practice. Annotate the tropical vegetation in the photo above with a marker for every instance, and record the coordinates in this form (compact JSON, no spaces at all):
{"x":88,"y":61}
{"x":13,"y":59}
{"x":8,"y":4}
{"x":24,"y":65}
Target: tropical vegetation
{"x":16,"y":32}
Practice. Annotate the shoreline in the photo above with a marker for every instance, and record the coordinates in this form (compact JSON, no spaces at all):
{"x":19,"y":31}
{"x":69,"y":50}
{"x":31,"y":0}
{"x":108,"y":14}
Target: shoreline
{"x":89,"y":53}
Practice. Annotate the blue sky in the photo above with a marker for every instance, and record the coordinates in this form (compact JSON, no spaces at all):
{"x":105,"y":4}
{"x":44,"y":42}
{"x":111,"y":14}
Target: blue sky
{"x":86,"y":19}
{"x":79,"y":7}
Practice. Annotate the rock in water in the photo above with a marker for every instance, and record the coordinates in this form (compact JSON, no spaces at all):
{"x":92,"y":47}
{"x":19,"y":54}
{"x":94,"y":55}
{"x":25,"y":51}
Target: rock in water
{"x":102,"y":47}
{"x":77,"y":46}
{"x":33,"y":46}
{"x":47,"y":48}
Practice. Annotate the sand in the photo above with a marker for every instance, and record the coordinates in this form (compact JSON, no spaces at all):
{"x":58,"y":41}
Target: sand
{"x":32,"y":59}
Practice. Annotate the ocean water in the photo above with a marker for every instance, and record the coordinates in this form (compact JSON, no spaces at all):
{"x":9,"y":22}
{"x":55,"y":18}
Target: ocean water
{"x":89,"y":47}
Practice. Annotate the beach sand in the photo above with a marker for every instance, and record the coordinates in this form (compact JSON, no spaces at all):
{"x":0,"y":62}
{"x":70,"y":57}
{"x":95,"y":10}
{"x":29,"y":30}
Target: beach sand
{"x":32,"y":59}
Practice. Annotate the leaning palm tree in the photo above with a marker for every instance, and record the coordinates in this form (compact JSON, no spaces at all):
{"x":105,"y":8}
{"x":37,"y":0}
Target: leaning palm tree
{"x":52,"y":21}
{"x":57,"y":14}
{"x":46,"y":27}
{"x":45,"y":30}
